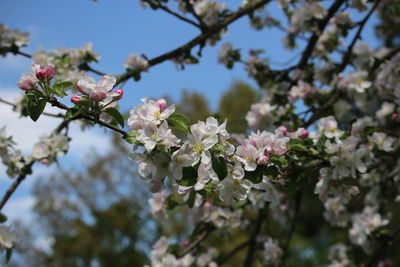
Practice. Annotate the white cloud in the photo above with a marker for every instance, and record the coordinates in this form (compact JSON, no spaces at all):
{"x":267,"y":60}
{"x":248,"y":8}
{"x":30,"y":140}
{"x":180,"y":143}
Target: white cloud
{"x":25,"y":132}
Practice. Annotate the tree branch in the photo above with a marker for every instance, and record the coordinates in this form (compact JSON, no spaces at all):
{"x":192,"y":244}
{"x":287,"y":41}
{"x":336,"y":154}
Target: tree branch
{"x":347,"y":56}
{"x":252,"y":241}
{"x":84,"y":66}
{"x":26,"y":170}
{"x":201,"y":38}
{"x":314,"y":38}
{"x":298,"y":200}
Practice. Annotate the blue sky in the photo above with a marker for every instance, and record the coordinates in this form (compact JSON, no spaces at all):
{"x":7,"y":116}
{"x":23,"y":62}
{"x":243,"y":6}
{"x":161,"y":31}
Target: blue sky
{"x":118,"y":28}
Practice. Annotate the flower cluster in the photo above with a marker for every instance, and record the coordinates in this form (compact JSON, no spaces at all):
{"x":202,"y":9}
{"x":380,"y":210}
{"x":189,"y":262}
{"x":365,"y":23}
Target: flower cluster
{"x":7,"y":238}
{"x":204,"y":160}
{"x":11,"y":39}
{"x":208,"y":10}
{"x":160,"y":256}
{"x":134,"y":62}
{"x":10,"y":156}
{"x":38,"y":73}
{"x":70,"y":63}
{"x":50,"y":147}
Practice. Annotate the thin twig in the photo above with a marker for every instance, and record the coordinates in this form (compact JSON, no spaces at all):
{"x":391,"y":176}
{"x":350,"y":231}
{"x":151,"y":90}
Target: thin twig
{"x":388,"y":56}
{"x":314,"y":38}
{"x":379,"y":252}
{"x":197,"y":242}
{"x":44,"y":113}
{"x":201,"y":38}
{"x":347,"y":56}
{"x":173,"y":13}
{"x":335,"y":94}
{"x":233,"y":252}
{"x":54,"y":102}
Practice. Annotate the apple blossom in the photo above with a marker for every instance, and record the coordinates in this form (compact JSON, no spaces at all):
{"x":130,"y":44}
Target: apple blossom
{"x":7,"y":238}
{"x":96,"y":91}
{"x":134,"y":62}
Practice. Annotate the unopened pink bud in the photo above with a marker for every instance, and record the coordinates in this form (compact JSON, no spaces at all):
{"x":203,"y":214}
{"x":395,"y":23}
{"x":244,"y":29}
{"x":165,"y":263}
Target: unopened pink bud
{"x":41,"y":74}
{"x":162,"y":103}
{"x":118,"y":94}
{"x":302,"y":133}
{"x":49,"y":71}
{"x":283,"y":130}
{"x":26,"y":84}
{"x":263,"y":160}
{"x":395,"y":116}
{"x":98,"y":96}
{"x":76,"y":99}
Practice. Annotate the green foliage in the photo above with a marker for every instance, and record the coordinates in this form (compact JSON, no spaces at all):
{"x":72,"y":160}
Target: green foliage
{"x":116,"y":115}
{"x":194,"y":106}
{"x":36,"y":108}
{"x":131,"y":138}
{"x":74,"y":112}
{"x":3,"y":218}
{"x":234,"y":105}
{"x":255,"y":176}
{"x":59,"y":88}
{"x":220,"y":168}
{"x":189,"y":177}
{"x":192,"y":198}
{"x":179,"y":121}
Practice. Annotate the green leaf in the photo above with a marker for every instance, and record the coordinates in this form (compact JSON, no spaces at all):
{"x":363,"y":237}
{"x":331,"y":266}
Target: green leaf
{"x":369,"y":130}
{"x":255,"y":176}
{"x":271,"y":171}
{"x":279,"y":160}
{"x":59,"y":88}
{"x":9,"y":252}
{"x":218,"y":148}
{"x":189,"y":177}
{"x":298,"y":147}
{"x":74,"y":112}
{"x":179,"y":121}
{"x":35,"y":108}
{"x":131,"y":138}
{"x":3,"y":218}
{"x":171,"y":203}
{"x":220,"y":168}
{"x":192,"y":198}
{"x":113,"y":112}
